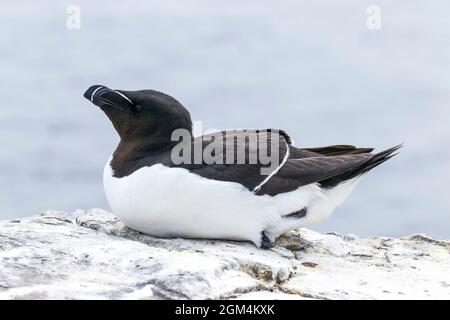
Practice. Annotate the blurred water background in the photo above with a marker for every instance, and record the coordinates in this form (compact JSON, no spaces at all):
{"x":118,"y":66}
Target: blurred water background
{"x":312,"y":68}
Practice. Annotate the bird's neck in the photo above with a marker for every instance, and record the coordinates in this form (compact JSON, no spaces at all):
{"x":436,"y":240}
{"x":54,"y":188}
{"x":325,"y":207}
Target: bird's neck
{"x":132,"y":154}
{"x":136,"y":148}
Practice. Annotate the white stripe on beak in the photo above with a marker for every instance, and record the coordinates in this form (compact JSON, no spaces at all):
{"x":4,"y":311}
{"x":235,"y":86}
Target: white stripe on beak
{"x":123,"y":96}
{"x":93,"y":93}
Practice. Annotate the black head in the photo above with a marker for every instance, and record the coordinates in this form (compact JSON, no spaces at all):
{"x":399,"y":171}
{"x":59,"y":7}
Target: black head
{"x":141,"y":115}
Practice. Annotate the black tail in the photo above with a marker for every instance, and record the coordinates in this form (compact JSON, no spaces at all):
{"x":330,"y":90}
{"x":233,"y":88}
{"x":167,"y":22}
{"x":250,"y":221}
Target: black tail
{"x":377,"y":159}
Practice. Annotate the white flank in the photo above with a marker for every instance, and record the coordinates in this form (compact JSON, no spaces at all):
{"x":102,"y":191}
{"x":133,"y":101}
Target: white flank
{"x":319,"y":208}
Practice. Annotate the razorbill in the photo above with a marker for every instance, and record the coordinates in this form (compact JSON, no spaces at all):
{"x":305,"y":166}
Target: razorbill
{"x":154,"y":192}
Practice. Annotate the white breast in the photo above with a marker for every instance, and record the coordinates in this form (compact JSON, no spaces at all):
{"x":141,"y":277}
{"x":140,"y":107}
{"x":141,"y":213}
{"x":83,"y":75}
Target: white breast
{"x":172,"y":202}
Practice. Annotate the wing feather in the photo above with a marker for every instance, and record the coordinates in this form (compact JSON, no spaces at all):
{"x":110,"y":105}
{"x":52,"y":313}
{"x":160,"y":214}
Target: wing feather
{"x":299,"y":172}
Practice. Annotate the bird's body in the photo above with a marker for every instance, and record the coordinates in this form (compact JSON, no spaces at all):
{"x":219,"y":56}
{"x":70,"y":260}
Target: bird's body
{"x":173,"y":202}
{"x":152,"y":192}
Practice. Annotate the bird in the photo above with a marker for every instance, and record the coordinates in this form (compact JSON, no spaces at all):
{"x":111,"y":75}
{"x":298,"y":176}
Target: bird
{"x":158,"y":185}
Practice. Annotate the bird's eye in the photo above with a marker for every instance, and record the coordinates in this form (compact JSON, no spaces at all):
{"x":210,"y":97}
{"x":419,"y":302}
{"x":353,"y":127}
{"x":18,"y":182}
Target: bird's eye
{"x":138,"y":107}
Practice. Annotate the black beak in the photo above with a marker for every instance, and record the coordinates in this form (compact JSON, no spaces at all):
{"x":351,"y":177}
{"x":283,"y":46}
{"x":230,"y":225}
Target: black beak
{"x":102,"y":96}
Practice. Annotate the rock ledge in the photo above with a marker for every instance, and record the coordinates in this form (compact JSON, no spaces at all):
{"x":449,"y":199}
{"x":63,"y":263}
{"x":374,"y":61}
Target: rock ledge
{"x":91,"y":255}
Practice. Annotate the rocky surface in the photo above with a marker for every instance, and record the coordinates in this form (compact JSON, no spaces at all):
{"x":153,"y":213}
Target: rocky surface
{"x":91,"y":255}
